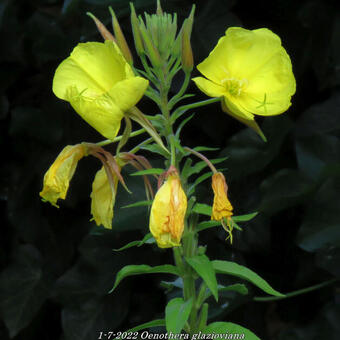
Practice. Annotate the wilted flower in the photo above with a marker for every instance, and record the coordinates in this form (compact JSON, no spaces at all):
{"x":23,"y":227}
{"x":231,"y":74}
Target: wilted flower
{"x":59,"y":175}
{"x":168,"y":212}
{"x":222,"y":209}
{"x":103,"y":198}
{"x":99,"y":84}
{"x":251,"y":72}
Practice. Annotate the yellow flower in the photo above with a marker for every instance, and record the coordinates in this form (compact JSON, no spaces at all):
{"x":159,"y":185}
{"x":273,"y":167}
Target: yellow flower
{"x":99,"y":84}
{"x":168,"y":212}
{"x":103,"y":198}
{"x":222,"y":209}
{"x":251,"y":72}
{"x":59,"y":175}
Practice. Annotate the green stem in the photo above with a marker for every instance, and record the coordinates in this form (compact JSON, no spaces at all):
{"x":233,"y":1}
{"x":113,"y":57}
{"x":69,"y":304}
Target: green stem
{"x":295,"y":293}
{"x":118,"y":138}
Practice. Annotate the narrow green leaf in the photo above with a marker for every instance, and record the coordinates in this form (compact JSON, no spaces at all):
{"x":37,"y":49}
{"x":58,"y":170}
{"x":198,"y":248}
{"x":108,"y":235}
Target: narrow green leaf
{"x":153,"y":171}
{"x":199,"y":166}
{"x":182,"y":124}
{"x":244,"y":218}
{"x":204,"y":268}
{"x":150,"y":324}
{"x":202,"y":209}
{"x":155,"y":148}
{"x":137,"y":204}
{"x":198,"y":181}
{"x":234,"y":269}
{"x":204,"y":148}
{"x":237,"y":287}
{"x":211,"y":224}
{"x":230,"y":329}
{"x":177,"y":313}
{"x":186,"y":168}
{"x":143,"y":269}
{"x":137,"y":243}
{"x":203,"y":317}
{"x":207,"y":225}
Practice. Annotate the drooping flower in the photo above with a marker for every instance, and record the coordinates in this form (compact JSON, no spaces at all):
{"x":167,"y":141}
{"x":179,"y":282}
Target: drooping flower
{"x":168,"y":212}
{"x":251,"y":72}
{"x":103,"y":198}
{"x":60,"y":173}
{"x":222,"y":209}
{"x":99,"y":84}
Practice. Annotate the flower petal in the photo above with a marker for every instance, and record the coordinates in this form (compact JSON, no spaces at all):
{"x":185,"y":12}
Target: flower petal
{"x":209,"y":88}
{"x":101,"y":113}
{"x":128,"y":92}
{"x":92,"y":66}
{"x":103,"y":199}
{"x":240,"y":53}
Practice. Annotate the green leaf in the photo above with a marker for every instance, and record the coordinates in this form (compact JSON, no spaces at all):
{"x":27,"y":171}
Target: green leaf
{"x":202,"y":209}
{"x":137,"y":204}
{"x":229,"y":328}
{"x":199,"y":166}
{"x":237,"y":287}
{"x":138,"y":243}
{"x":204,"y":148}
{"x":204,"y":268}
{"x":207,"y":225}
{"x":180,"y":127}
{"x":153,"y":171}
{"x":211,"y":224}
{"x":198,"y":181}
{"x":177,"y":313}
{"x":142,"y":269}
{"x":155,"y":148}
{"x":244,"y":218}
{"x":150,"y":324}
{"x":234,"y":269}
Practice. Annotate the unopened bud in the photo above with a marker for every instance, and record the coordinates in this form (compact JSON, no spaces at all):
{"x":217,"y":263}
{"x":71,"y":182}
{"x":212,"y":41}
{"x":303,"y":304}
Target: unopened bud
{"x":159,"y":10}
{"x":121,"y":41}
{"x":136,"y":32}
{"x":104,"y":32}
{"x":152,"y":52}
{"x":187,"y":57}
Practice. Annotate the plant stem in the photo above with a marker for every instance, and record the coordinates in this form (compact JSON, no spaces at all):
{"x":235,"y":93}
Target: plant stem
{"x":118,"y":138}
{"x":295,"y":293}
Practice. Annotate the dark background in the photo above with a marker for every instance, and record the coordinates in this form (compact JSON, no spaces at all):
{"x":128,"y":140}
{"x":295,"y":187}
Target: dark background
{"x":56,"y":266}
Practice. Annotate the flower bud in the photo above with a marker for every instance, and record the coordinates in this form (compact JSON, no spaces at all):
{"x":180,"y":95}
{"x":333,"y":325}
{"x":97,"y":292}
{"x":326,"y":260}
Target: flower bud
{"x":104,"y":32}
{"x":121,"y":41}
{"x":187,"y":57}
{"x":103,"y":197}
{"x":136,"y":32}
{"x":168,"y":212}
{"x":221,"y":207}
{"x":59,"y":175}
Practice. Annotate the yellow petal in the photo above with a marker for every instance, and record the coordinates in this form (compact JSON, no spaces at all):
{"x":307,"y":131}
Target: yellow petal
{"x":128,"y":92}
{"x":209,"y":88}
{"x":60,"y":173}
{"x":221,"y":206}
{"x":93,"y":66}
{"x":168,"y":212}
{"x":103,"y":199}
{"x":101,"y":113}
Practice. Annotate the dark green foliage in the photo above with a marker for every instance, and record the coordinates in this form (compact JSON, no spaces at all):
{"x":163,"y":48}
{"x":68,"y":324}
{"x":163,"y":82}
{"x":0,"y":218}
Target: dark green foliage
{"x":57,"y":266}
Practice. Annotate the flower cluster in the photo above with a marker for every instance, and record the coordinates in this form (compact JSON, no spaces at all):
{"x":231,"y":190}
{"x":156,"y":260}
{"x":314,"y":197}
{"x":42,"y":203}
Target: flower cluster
{"x":248,"y":71}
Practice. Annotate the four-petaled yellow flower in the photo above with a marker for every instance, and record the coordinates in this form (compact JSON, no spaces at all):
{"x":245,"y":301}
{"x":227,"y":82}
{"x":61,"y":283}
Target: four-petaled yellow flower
{"x":99,"y":84}
{"x":103,"y":198}
{"x":168,"y":212}
{"x":222,"y":209}
{"x":251,"y":72}
{"x":59,"y":175}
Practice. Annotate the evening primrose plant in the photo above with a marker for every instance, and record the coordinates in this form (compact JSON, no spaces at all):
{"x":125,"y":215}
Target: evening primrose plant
{"x":248,"y":72}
